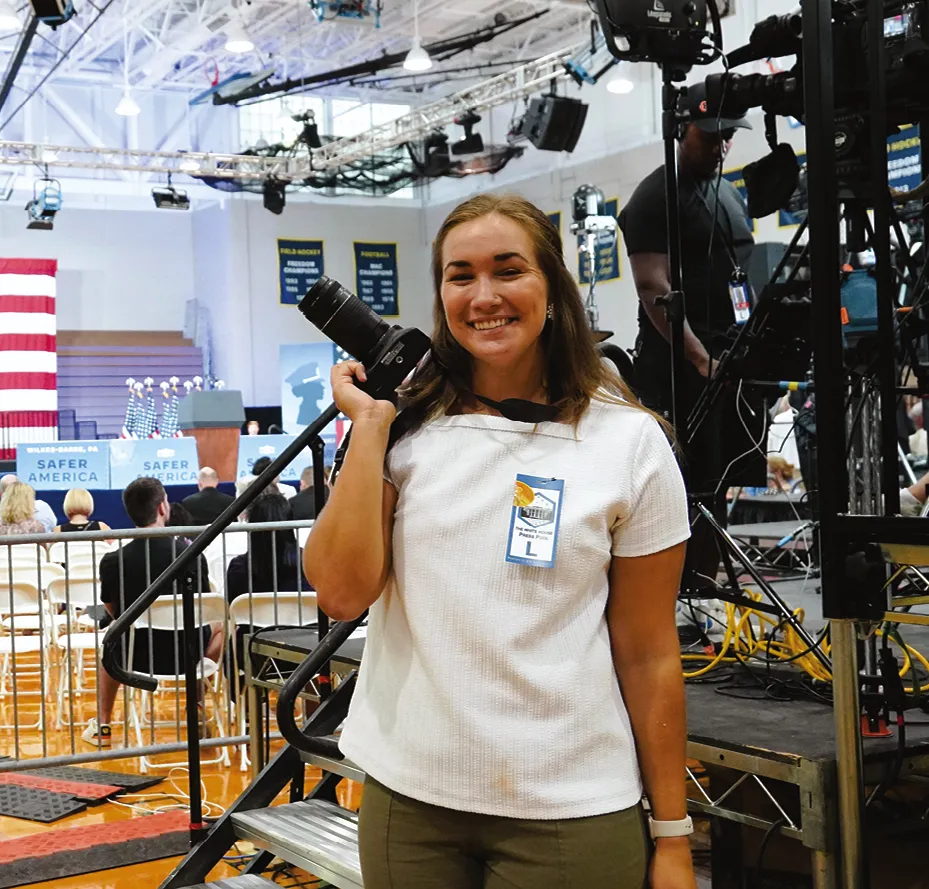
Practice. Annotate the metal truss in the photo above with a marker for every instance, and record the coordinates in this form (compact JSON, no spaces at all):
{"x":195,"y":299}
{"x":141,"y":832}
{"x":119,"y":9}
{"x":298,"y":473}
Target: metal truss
{"x":519,"y":83}
{"x":220,"y":166}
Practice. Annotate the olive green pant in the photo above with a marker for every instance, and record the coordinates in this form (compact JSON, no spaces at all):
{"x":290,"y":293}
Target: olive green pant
{"x":406,"y":844}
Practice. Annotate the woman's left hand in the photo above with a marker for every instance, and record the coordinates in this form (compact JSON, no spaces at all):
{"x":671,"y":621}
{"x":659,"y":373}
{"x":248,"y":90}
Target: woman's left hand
{"x":672,"y":865}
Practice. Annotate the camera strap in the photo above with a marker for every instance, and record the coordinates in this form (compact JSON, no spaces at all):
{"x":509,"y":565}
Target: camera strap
{"x":520,"y":410}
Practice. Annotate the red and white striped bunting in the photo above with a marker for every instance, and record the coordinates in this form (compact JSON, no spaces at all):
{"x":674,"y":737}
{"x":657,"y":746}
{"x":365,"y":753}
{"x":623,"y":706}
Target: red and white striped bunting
{"x":28,"y":359}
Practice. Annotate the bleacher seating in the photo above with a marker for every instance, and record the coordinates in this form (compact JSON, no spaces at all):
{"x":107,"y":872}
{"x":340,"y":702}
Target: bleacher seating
{"x":93,"y":367}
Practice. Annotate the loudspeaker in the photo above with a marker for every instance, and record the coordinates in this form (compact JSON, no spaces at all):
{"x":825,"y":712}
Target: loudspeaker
{"x":554,"y":123}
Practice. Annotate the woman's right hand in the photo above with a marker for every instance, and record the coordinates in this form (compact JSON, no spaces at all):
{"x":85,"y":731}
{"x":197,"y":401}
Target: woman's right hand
{"x":357,"y":405}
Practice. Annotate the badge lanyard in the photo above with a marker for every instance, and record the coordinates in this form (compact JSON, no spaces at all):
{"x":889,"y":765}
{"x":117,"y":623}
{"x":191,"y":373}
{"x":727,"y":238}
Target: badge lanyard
{"x":739,"y":292}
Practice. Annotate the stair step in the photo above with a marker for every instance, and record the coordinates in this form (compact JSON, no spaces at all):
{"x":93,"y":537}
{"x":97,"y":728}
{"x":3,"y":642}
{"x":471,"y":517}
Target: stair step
{"x":344,"y":767}
{"x":244,"y":881}
{"x":316,"y":835}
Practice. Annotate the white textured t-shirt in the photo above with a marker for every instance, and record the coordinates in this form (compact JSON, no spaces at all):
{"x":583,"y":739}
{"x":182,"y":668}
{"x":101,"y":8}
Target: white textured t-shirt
{"x":488,"y":686}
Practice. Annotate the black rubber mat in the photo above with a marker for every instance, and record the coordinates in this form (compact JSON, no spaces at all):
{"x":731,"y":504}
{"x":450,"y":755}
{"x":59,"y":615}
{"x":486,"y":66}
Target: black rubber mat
{"x":37,"y":805}
{"x":96,"y":776}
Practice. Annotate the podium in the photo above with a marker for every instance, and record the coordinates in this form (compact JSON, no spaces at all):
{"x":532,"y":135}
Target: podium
{"x":215,"y":420}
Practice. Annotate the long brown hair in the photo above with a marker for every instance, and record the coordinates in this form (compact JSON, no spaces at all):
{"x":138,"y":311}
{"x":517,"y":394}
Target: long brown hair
{"x":574,"y":370}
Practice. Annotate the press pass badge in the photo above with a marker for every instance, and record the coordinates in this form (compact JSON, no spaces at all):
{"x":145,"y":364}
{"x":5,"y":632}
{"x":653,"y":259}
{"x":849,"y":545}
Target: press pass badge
{"x":534,"y":522}
{"x":739,"y":294}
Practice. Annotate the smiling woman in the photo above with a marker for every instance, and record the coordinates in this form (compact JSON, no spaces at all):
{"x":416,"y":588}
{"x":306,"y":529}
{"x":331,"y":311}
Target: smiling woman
{"x":518,"y":539}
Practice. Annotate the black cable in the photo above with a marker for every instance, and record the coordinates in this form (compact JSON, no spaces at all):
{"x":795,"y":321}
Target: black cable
{"x":759,"y":861}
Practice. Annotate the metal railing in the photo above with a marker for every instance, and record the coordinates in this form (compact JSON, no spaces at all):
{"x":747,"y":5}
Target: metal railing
{"x":54,"y":615}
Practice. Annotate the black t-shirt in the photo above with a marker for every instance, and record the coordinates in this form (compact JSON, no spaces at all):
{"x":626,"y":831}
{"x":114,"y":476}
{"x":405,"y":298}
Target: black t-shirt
{"x":705,"y":276}
{"x":138,"y":573}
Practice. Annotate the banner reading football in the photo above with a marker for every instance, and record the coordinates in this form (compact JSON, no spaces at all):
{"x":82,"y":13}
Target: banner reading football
{"x":376,"y":277}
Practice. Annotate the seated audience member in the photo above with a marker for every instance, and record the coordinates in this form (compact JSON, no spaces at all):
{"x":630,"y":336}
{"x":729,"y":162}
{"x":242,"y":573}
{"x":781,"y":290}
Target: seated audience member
{"x":78,"y":508}
{"x":209,"y":503}
{"x":913,"y":498}
{"x":303,"y":504}
{"x":273,"y":555}
{"x":43,"y":512}
{"x":17,"y":511}
{"x":261,"y":464}
{"x":141,"y":561}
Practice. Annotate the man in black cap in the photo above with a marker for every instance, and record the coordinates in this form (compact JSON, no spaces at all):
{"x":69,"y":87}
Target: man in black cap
{"x":716,"y":243}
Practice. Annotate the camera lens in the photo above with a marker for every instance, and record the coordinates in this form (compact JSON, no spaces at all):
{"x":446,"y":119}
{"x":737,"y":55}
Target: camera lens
{"x":344,"y":318}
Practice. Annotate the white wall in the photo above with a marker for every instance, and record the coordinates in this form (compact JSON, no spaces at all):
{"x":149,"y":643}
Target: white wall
{"x":250,"y":323}
{"x":117,"y":270}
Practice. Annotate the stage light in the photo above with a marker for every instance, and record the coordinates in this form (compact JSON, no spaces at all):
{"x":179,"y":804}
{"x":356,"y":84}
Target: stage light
{"x":127,"y":107}
{"x":471,"y":142}
{"x":237,"y":39}
{"x":620,"y":83}
{"x":417,"y":59}
{"x":170,"y":198}
{"x":9,"y":20}
{"x":45,"y":203}
{"x":189,"y":165}
{"x":274,"y":195}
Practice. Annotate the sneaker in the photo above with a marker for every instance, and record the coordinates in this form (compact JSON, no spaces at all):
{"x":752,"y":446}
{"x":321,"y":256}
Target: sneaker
{"x":96,"y":734}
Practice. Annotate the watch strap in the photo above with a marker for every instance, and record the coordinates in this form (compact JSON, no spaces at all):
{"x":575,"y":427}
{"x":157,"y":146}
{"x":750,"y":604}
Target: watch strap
{"x":659,"y":829}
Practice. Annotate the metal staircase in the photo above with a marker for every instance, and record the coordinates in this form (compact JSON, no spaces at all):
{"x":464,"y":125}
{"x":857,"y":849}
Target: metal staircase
{"x":311,"y":831}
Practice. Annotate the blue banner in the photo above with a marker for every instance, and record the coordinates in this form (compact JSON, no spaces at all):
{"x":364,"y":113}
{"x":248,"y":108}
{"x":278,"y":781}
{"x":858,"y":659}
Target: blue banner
{"x":300,"y":265}
{"x":376,"y":278}
{"x":904,"y":159}
{"x":173,"y":461}
{"x":306,"y":391}
{"x":555,"y":219}
{"x":608,"y":268}
{"x":254,"y":447}
{"x":737,"y":178}
{"x":62,"y":465}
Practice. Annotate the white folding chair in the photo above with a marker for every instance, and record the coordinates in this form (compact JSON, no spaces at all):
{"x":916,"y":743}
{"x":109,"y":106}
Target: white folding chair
{"x":22,"y":553}
{"x":75,"y":594}
{"x":166,"y":613}
{"x":289,"y":609}
{"x":70,"y":550}
{"x":39,"y":576}
{"x":23,"y":609}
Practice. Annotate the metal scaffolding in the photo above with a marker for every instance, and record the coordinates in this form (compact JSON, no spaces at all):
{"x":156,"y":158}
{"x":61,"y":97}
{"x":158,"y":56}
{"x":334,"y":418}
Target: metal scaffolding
{"x":517,"y":84}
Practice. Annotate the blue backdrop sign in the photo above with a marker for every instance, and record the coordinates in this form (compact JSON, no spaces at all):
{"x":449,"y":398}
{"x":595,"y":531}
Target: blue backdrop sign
{"x":376,"y":278}
{"x":173,"y":461}
{"x":305,"y":388}
{"x":254,"y":447}
{"x":555,"y":219}
{"x":608,"y":268}
{"x":62,"y":465}
{"x":300,"y":265}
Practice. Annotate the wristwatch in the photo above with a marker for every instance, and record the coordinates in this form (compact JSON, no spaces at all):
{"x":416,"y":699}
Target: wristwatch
{"x":659,"y":829}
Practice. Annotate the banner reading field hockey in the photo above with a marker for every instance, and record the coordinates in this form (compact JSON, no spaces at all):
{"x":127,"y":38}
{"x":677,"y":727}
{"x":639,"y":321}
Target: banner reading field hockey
{"x":607,"y":255}
{"x":62,"y":465}
{"x":300,"y":266}
{"x":173,"y":461}
{"x":376,"y":278}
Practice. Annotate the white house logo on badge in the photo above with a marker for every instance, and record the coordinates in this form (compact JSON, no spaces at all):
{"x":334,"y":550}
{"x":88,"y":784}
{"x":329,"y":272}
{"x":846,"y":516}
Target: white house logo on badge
{"x":165,"y":452}
{"x":659,"y":13}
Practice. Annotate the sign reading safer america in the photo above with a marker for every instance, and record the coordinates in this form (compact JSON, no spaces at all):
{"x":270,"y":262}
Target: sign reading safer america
{"x":28,"y":362}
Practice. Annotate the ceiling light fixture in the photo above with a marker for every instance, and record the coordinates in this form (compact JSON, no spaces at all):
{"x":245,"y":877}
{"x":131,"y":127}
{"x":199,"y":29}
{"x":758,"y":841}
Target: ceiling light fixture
{"x":620,"y":84}
{"x":9,"y":20}
{"x":417,"y":59}
{"x":237,"y":39}
{"x":128,"y":107}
